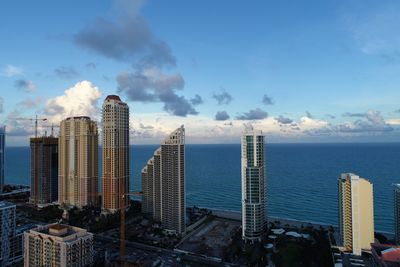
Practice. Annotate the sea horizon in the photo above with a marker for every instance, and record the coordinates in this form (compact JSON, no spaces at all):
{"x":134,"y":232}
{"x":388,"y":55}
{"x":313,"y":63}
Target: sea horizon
{"x":301,"y":178}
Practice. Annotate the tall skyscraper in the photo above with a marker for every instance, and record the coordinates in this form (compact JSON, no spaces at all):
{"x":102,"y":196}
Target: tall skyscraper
{"x":163,"y":183}
{"x":397,"y":212}
{"x":2,"y":149}
{"x":58,"y":245}
{"x":356,"y":213}
{"x":115,"y":154}
{"x":253,"y":185}
{"x":78,"y":162}
{"x":7,"y":231}
{"x":44,"y":170}
{"x":11,"y":238}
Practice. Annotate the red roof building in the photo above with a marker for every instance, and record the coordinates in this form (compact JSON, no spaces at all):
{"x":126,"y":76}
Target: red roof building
{"x":384,"y":255}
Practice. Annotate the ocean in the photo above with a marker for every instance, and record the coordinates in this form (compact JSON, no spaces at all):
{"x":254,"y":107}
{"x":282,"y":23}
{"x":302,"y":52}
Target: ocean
{"x":301,"y":178}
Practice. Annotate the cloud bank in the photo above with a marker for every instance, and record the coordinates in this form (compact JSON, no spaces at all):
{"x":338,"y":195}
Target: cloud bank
{"x":79,"y":100}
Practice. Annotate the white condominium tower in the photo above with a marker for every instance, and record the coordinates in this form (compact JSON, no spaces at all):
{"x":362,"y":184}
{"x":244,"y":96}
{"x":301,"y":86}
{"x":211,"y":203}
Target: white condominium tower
{"x":397,"y":212}
{"x":58,"y":245}
{"x":163,"y":183}
{"x":78,"y":162}
{"x":253,"y":185}
{"x":115,"y":122}
{"x":356,"y":213}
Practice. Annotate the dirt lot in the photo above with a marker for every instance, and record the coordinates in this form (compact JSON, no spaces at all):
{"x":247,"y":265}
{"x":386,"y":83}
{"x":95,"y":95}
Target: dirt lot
{"x":211,"y":238}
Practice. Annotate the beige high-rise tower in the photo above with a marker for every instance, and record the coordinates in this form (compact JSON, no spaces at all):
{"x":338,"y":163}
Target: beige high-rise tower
{"x":163,"y":183}
{"x":58,"y":245}
{"x":78,"y":162}
{"x":115,"y":154}
{"x":356,"y":213}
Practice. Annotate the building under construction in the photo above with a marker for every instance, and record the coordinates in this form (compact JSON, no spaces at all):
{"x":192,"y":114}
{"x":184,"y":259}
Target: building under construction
{"x":44,"y":170}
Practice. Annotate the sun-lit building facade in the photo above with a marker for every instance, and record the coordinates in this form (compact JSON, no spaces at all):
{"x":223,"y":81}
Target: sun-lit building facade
{"x":58,"y":245}
{"x":78,"y":162}
{"x":163,"y":183}
{"x":356,"y":213}
{"x":115,"y":120}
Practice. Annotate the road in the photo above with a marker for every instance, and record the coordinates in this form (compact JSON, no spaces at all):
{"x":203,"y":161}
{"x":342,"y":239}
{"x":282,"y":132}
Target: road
{"x":149,"y":255}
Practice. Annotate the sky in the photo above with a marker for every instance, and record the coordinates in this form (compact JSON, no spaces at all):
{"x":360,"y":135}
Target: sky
{"x":300,"y":71}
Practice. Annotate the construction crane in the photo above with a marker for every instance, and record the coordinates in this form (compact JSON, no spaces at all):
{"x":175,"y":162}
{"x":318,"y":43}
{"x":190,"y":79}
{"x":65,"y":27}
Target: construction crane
{"x":52,"y":128}
{"x":36,"y":119}
{"x":122,"y":227}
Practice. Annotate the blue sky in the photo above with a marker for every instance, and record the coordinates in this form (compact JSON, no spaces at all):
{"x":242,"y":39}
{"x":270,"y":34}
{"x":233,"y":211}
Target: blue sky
{"x":328,"y":71}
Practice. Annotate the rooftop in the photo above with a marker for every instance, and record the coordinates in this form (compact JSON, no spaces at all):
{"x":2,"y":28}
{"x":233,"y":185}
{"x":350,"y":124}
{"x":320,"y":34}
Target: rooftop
{"x":113,"y":97}
{"x":59,"y":230}
{"x":389,"y":254}
{"x":78,"y":117}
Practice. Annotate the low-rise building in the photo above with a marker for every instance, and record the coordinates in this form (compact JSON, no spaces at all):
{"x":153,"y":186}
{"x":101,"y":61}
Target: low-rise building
{"x":58,"y":245}
{"x":384,"y":255}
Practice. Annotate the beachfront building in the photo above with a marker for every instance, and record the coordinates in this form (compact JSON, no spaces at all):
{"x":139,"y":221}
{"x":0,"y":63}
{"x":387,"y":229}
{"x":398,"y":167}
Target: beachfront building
{"x":78,"y":162}
{"x":253,"y":185}
{"x":2,"y":148}
{"x":115,"y":122}
{"x":356,"y":213}
{"x":397,"y":212}
{"x":163,"y":183}
{"x":44,"y":170}
{"x":58,"y":245}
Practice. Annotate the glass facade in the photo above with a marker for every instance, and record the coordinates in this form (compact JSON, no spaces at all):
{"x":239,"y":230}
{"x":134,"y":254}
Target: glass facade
{"x":253,"y":186}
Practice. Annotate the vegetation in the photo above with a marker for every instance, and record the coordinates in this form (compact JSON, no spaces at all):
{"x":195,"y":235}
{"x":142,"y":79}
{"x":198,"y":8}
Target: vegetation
{"x":47,"y":214}
{"x":91,"y":218}
{"x":303,"y":252}
{"x":288,"y":251}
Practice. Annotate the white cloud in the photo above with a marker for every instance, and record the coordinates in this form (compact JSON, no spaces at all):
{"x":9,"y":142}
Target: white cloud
{"x":11,"y":70}
{"x":200,"y":129}
{"x":79,"y":100}
{"x":394,"y":122}
{"x":307,"y":123}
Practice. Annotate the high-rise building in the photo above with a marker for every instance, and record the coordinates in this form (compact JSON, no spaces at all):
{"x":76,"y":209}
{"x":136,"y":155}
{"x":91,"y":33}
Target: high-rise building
{"x":78,"y":162}
{"x":115,"y":122}
{"x":356,"y":213}
{"x":397,"y":212}
{"x":163,"y":183}
{"x":253,"y":185}
{"x":11,"y":238}
{"x":44,"y":170}
{"x":2,"y":154}
{"x":7,"y":231}
{"x":58,"y":245}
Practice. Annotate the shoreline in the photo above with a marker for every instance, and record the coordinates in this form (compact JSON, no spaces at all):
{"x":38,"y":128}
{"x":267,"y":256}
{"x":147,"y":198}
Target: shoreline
{"x":237,"y":215}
